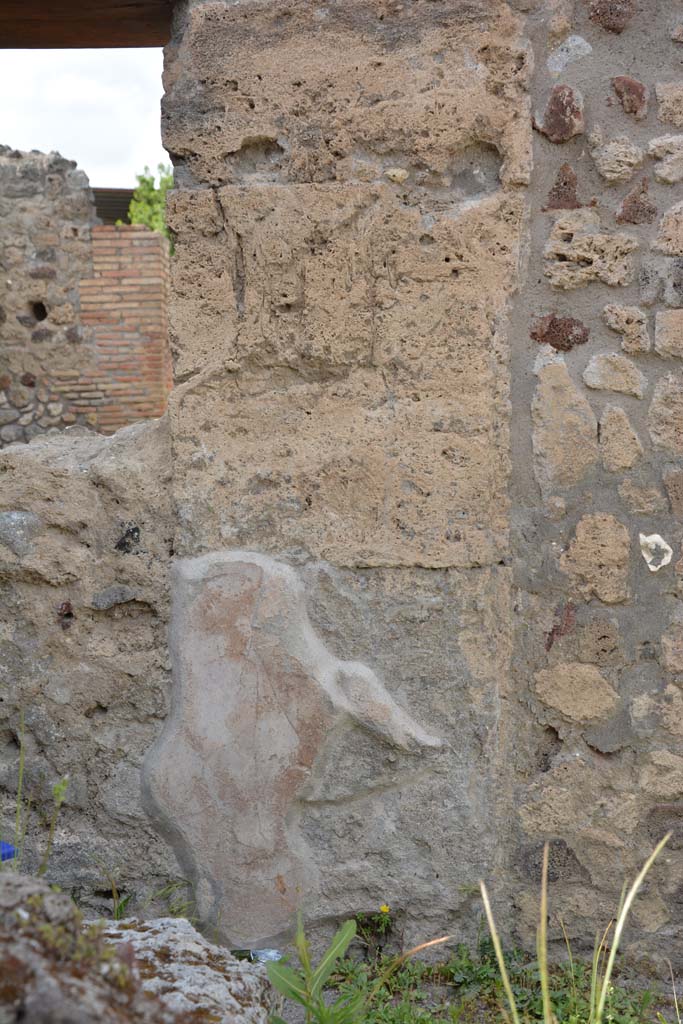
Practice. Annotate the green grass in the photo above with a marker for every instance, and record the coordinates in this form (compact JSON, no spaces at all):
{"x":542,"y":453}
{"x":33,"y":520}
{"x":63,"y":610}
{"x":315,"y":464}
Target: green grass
{"x":467,"y":990}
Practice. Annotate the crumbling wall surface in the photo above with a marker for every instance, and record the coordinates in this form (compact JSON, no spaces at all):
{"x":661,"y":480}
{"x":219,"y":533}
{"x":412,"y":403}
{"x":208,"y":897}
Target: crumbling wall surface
{"x":348,"y":225}
{"x":46,"y":214}
{"x":597,"y":410}
{"x":85,"y":535}
{"x":83,"y":306}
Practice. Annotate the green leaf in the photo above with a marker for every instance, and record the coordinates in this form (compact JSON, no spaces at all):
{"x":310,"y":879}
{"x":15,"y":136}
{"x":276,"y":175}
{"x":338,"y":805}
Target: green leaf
{"x":302,"y":947}
{"x":288,"y":983}
{"x":336,"y":949}
{"x":348,"y":1010}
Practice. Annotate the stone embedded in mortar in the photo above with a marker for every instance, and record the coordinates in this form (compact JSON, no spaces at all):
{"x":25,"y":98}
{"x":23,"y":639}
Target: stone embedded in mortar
{"x":578,"y":691}
{"x":563,"y":115}
{"x":663,"y":776}
{"x":670,"y":99}
{"x":598,"y":641}
{"x":637,"y":207}
{"x":670,"y":236}
{"x":570,"y":49}
{"x":631,"y":323}
{"x":598,"y":558}
{"x":580,"y":251}
{"x":669,"y":332}
{"x":633,"y":95}
{"x":565,"y":434}
{"x":563,"y":194}
{"x":620,"y":447}
{"x":640,"y":498}
{"x":671,"y":648}
{"x":655,"y":550}
{"x":256,"y":698}
{"x":672,"y":478}
{"x":18,"y":530}
{"x":665,"y":415}
{"x":612,"y":15}
{"x":615,"y":159}
{"x":668,"y":151}
{"x":614,"y":372}
{"x":560,"y":332}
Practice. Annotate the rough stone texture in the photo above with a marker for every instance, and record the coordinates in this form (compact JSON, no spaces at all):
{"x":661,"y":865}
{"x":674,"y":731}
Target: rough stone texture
{"x":89,"y":674}
{"x":633,"y":95}
{"x":620,"y":447}
{"x":673,"y":482}
{"x":614,"y":372}
{"x":612,"y":15}
{"x":563,"y":115}
{"x":665,"y":417}
{"x":565,"y":437}
{"x":597,"y":558}
{"x":55,"y":968}
{"x":631,"y":323}
{"x":637,"y":207}
{"x":560,"y":332}
{"x":669,"y":332}
{"x":670,"y":237}
{"x":192,"y":978}
{"x":670,"y":100}
{"x":668,"y":151}
{"x":616,"y":159}
{"x":563,"y":194}
{"x":579,"y":251}
{"x":579,"y":692}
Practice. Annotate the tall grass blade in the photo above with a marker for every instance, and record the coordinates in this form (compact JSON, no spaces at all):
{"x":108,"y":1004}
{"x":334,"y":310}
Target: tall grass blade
{"x":673,"y":989}
{"x":542,"y":941}
{"x":336,"y":949}
{"x":499,"y":955}
{"x":20,"y":783}
{"x":621,"y":921}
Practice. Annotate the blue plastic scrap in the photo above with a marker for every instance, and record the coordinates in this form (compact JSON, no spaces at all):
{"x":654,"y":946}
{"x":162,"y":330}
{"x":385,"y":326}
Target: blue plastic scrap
{"x":7,"y":851}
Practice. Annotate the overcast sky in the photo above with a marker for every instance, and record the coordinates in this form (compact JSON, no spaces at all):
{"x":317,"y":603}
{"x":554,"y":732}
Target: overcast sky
{"x":98,"y":107}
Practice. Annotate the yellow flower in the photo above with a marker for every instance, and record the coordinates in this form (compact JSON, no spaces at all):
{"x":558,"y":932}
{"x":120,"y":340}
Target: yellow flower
{"x":385,"y":909}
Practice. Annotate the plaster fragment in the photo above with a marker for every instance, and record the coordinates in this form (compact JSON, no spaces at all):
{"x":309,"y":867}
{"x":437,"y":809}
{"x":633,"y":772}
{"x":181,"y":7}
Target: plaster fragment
{"x":655,"y":551}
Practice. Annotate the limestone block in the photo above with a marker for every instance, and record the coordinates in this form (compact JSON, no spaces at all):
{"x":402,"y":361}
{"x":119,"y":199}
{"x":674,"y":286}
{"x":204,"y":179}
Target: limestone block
{"x":665,"y":416}
{"x":631,"y":323}
{"x":663,"y":776}
{"x":641,"y":498}
{"x":256,"y":698}
{"x":579,"y":251}
{"x":670,"y":235}
{"x":670,"y":99}
{"x":673,"y":482}
{"x":350,"y":383}
{"x":578,"y":691}
{"x":565,"y":433}
{"x":291,"y":120}
{"x":668,"y":151}
{"x":620,"y":447}
{"x":615,"y":159}
{"x":614,"y":372}
{"x":598,"y":558}
{"x":669,"y":332}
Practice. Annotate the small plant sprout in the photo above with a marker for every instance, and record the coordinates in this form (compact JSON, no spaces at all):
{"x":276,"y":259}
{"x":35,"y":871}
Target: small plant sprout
{"x":602,"y":963}
{"x":58,"y":797}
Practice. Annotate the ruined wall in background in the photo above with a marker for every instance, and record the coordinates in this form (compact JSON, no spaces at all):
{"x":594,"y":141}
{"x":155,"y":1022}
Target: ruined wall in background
{"x":83,"y":307}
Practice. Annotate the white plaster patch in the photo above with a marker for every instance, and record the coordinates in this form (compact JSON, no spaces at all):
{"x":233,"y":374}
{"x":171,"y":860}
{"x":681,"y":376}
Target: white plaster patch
{"x":573,"y":48}
{"x":655,"y":551}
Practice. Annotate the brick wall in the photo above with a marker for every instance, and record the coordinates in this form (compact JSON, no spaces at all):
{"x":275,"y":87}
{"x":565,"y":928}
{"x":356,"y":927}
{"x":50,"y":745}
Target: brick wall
{"x":124,"y":306}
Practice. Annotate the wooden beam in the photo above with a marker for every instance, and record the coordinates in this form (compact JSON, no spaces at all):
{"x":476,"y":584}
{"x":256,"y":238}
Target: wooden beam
{"x":66,"y":24}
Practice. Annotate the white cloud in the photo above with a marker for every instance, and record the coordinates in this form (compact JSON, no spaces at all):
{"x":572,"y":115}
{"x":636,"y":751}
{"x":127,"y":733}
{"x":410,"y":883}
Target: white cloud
{"x":98,"y":107}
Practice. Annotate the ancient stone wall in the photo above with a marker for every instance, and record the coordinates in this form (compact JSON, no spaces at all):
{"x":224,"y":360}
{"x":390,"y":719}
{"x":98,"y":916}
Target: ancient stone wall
{"x":83,"y":307}
{"x":416,"y":527}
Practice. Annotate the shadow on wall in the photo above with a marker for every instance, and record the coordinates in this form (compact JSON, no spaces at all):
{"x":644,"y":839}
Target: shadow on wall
{"x":83,"y":306}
